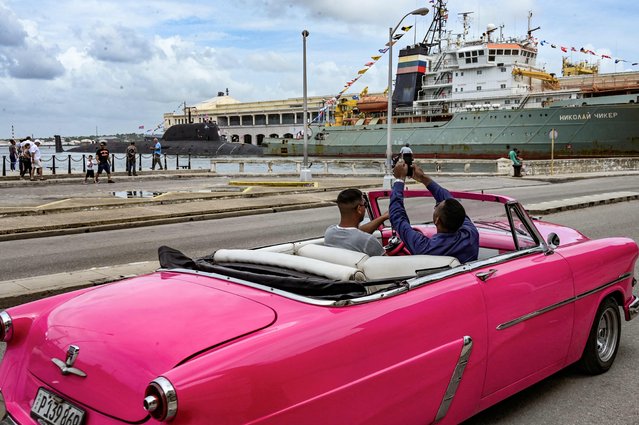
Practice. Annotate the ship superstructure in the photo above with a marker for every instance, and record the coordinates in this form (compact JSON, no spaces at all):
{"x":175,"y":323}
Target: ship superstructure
{"x":459,"y":97}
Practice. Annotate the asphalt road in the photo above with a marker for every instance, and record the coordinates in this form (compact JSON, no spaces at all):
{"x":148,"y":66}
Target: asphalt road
{"x":35,"y":257}
{"x":567,"y":397}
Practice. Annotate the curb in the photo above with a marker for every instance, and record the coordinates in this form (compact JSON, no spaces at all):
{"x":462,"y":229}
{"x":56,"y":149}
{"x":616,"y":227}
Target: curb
{"x":75,"y":228}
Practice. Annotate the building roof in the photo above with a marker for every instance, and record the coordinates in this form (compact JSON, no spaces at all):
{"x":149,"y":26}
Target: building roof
{"x":215,"y":102}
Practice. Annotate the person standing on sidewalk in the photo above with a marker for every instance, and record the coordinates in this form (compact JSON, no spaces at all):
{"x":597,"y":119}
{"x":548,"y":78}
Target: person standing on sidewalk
{"x":157,"y":154}
{"x":13,"y":154}
{"x":516,"y":163}
{"x":90,"y":172}
{"x":104,"y":162}
{"x":36,"y":160}
{"x":131,"y":153}
{"x":25,"y":158}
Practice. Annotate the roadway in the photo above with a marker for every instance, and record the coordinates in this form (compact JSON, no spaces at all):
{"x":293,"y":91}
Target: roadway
{"x":566,"y":397}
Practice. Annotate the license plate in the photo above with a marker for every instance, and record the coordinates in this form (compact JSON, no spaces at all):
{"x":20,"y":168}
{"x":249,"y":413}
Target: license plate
{"x":54,"y":410}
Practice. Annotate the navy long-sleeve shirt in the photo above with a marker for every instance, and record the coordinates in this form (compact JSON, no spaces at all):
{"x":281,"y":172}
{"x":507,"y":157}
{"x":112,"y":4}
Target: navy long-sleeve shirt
{"x":463,"y":244}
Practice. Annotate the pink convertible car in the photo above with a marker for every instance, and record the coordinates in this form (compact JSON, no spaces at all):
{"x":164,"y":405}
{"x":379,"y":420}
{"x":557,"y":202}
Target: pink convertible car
{"x":301,"y":333}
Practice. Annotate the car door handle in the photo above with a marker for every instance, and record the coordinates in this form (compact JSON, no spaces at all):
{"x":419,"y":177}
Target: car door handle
{"x":483,"y":276}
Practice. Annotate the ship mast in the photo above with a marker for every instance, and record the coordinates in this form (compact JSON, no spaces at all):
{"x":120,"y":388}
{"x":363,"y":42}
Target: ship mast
{"x":437,"y":30}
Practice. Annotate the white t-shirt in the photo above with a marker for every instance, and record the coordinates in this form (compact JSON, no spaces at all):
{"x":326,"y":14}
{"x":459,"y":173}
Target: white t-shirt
{"x":354,"y":239}
{"x":405,"y":149}
{"x":35,"y":151}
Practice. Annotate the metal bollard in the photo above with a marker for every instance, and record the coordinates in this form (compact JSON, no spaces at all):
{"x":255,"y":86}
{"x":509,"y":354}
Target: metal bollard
{"x":4,"y":166}
{"x":112,"y":162}
{"x":189,"y":161}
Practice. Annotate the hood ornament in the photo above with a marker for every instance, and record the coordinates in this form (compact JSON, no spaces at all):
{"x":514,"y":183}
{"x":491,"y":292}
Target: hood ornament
{"x":67,"y":366}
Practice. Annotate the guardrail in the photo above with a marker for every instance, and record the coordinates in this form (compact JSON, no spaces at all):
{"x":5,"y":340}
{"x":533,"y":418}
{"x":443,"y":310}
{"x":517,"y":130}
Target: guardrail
{"x":59,"y":163}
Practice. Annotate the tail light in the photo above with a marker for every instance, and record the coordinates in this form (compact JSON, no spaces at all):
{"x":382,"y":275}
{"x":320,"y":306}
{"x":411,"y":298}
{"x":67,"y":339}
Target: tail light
{"x":160,"y":399}
{"x":6,"y":326}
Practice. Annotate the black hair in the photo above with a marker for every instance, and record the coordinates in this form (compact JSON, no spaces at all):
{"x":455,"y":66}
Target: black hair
{"x":349,"y":198}
{"x":452,"y":215}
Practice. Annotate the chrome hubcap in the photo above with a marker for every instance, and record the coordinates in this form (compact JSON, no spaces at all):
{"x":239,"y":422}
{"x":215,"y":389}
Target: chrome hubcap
{"x":607,"y":333}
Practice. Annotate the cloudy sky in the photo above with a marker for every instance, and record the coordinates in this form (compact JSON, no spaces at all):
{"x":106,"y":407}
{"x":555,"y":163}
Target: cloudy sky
{"x":70,"y":67}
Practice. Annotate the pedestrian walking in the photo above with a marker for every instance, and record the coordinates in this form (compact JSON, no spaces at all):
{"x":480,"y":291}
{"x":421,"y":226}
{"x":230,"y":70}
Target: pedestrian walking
{"x":25,"y":159}
{"x":515,"y":161}
{"x":13,"y":154}
{"x":104,"y":162}
{"x":131,"y":153}
{"x":36,"y":160}
{"x":157,"y":153}
{"x":90,"y":171}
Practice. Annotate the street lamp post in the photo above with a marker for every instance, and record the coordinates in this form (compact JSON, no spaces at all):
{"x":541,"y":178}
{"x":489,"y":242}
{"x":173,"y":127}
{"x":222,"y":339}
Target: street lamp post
{"x":305,"y":174}
{"x":388,"y":178}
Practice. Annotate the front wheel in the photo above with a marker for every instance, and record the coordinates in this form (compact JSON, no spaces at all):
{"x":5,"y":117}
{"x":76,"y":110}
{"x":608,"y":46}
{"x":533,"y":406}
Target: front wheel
{"x":603,"y":340}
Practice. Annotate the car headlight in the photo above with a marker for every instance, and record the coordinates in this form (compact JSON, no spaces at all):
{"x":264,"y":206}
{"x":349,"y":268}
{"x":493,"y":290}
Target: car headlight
{"x":6,"y":326}
{"x":160,"y":399}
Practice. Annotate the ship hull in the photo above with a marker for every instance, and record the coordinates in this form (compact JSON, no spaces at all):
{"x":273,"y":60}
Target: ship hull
{"x":582,"y":131}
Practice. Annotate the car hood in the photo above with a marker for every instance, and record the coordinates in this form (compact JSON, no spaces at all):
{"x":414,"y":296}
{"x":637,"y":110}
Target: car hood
{"x":130,"y":332}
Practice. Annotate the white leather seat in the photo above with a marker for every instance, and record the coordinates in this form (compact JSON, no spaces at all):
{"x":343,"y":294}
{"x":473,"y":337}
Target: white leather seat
{"x":293,"y":262}
{"x":404,"y":266}
{"x":344,"y":257}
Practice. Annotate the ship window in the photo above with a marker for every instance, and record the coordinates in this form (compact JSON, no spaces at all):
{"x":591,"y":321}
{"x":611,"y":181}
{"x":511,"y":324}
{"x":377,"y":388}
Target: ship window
{"x":503,"y":86}
{"x":503,"y":69}
{"x":461,"y":55}
{"x":467,"y":60}
{"x":500,"y":51}
{"x":461,"y":89}
{"x":473,"y":53}
{"x":491,"y":52}
{"x":479,"y":72}
{"x":507,"y":52}
{"x":481,"y":53}
{"x":478,"y":88}
{"x":474,"y":60}
{"x":491,"y":59}
{"x":515,"y":52}
{"x":467,"y":54}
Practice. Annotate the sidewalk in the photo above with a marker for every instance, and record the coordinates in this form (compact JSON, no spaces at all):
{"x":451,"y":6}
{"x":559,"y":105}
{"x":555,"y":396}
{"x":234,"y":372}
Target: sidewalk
{"x":71,"y":214}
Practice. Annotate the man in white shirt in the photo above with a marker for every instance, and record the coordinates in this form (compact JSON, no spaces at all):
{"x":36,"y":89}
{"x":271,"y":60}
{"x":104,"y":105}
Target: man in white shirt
{"x":348,"y":234}
{"x":36,"y":160}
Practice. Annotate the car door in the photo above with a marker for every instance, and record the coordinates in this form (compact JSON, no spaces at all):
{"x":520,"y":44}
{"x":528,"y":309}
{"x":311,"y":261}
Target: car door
{"x":529,"y":313}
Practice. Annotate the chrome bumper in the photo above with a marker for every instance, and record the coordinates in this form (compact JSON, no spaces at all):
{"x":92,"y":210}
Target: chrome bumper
{"x":633,"y":309}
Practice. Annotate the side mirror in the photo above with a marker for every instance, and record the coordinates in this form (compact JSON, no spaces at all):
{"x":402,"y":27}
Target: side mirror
{"x":553,"y":240}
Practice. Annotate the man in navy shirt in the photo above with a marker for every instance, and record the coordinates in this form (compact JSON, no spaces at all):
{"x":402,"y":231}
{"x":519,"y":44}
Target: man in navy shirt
{"x":456,"y":235}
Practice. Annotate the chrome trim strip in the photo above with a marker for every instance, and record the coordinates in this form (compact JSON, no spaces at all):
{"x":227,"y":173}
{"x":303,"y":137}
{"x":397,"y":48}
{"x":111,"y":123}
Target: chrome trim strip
{"x":455,"y":378}
{"x":633,"y":309}
{"x":560,"y":303}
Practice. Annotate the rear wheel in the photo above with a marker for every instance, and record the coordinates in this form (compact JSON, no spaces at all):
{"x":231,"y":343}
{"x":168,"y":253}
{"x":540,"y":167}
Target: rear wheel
{"x":603,"y":340}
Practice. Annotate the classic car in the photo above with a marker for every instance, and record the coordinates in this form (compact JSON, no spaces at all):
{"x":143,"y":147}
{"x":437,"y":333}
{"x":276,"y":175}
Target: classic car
{"x":303,"y":333}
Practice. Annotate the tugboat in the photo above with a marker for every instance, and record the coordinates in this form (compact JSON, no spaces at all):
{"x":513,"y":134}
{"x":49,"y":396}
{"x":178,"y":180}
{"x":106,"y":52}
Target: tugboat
{"x":201,"y":139}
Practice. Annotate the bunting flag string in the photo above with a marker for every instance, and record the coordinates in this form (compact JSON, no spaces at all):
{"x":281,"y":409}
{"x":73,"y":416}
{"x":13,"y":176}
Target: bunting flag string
{"x":160,"y":125}
{"x":368,"y":65}
{"x":584,"y":51}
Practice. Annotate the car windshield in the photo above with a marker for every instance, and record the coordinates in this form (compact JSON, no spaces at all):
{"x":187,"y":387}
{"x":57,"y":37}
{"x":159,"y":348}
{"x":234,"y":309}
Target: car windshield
{"x":420,"y":210}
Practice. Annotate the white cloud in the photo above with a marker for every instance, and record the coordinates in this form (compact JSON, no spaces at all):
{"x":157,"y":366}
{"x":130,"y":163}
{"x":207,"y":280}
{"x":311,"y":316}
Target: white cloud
{"x":67,"y":66}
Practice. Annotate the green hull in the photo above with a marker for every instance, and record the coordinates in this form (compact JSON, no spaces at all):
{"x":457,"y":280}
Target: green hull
{"x":583,"y":131}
